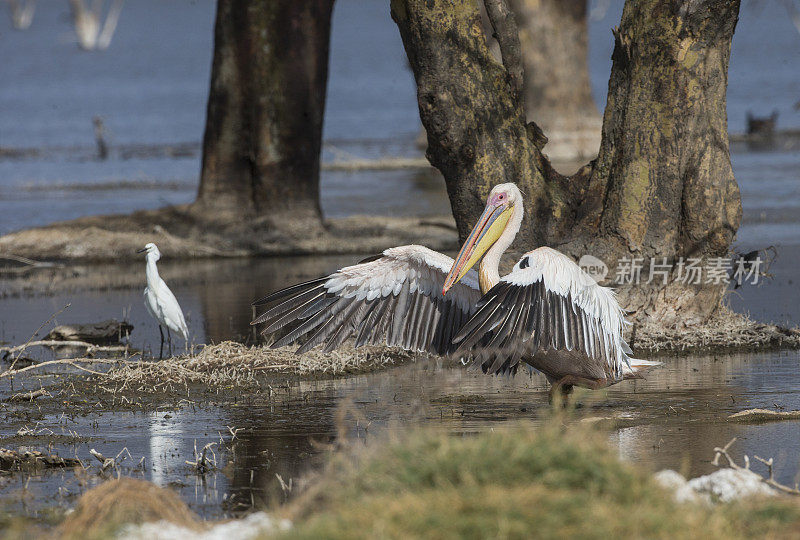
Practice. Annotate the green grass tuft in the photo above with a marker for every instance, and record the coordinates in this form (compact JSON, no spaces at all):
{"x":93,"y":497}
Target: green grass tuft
{"x":515,"y":482}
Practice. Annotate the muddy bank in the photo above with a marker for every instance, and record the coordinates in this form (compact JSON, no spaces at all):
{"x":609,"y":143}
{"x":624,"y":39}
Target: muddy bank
{"x":178,"y":232}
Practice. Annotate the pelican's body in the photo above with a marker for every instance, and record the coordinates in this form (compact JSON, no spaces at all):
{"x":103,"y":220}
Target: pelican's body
{"x":547,"y":312}
{"x":159,"y":301}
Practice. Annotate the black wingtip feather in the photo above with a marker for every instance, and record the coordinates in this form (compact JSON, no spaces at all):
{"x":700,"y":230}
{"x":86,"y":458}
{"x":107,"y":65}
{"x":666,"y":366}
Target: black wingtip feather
{"x":289,"y":290}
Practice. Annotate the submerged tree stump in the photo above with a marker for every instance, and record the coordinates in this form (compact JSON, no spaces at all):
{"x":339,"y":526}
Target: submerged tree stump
{"x":11,"y":460}
{"x":110,"y":331}
{"x":557,"y":91}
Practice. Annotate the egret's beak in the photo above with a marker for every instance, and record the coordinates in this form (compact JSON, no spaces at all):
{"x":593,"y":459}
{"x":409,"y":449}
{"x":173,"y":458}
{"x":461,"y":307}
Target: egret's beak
{"x":141,"y":250}
{"x":489,"y":228}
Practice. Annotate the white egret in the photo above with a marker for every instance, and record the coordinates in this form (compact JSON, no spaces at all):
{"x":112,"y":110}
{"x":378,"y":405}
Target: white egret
{"x":87,"y":23}
{"x":547,"y":312}
{"x":160,"y":302}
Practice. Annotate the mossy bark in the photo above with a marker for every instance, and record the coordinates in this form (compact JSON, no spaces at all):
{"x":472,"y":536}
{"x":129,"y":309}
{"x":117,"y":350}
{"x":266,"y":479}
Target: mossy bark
{"x":263,"y":136}
{"x":662,"y":185}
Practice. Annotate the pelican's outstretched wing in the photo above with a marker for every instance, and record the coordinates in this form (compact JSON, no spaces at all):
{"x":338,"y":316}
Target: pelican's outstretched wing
{"x":546,"y":303}
{"x":393,"y":299}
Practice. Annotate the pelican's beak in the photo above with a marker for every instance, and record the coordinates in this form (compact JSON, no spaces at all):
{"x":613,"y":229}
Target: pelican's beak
{"x":141,"y":250}
{"x":490,"y":226}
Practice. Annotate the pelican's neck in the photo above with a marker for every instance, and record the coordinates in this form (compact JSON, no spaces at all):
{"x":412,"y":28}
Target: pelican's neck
{"x":152,"y":270}
{"x":489,"y":269}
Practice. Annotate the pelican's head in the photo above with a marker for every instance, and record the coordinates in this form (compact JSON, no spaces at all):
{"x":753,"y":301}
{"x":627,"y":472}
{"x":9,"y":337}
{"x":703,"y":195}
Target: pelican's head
{"x":494,"y":221}
{"x":151,"y":249}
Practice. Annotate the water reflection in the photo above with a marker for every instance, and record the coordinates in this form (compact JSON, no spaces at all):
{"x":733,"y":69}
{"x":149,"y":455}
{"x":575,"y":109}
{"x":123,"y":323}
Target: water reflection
{"x":166,"y":432}
{"x":674,"y":419}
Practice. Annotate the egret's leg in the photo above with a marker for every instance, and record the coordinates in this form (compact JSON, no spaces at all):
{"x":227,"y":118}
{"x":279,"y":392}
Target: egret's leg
{"x":161,"y":349}
{"x":169,"y":340}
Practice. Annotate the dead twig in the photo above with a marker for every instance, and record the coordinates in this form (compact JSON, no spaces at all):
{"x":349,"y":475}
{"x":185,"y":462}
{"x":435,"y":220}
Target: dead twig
{"x":770,"y":480}
{"x":228,"y":363}
{"x":105,"y":462}
{"x":28,"y":396}
{"x":13,"y":460}
{"x":29,"y":264}
{"x":74,"y":362}
{"x":286,"y":487}
{"x":112,"y":463}
{"x":202,"y":464}
{"x":53,"y":316}
{"x":90,"y":347}
{"x":384,"y":164}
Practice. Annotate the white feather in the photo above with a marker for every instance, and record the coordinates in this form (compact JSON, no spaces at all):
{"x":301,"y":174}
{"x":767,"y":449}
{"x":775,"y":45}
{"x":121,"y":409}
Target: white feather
{"x":562,"y":276}
{"x":421,"y":268}
{"x":159,"y":300}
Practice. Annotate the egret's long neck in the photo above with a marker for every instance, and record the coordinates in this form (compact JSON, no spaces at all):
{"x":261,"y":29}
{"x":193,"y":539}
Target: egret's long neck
{"x":489,"y":269}
{"x":152,"y":270}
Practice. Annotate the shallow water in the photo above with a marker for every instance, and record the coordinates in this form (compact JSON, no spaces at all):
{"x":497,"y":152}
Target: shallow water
{"x":151,"y":93}
{"x":673,"y":419}
{"x":151,"y":88}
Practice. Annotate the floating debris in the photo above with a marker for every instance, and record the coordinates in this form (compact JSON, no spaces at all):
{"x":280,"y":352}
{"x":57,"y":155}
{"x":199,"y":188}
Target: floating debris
{"x":110,"y":331}
{"x":11,"y":460}
{"x":27,"y":396}
{"x":763,"y":415}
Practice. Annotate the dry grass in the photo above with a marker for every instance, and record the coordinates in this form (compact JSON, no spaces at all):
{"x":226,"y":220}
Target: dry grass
{"x":726,"y":332}
{"x":234,"y":365}
{"x":231,"y":364}
{"x":102,"y":510}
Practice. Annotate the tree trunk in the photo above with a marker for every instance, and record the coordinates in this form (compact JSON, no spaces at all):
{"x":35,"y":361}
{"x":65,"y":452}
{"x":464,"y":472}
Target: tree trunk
{"x":261,"y":149}
{"x":662,"y":185}
{"x":558,"y":95}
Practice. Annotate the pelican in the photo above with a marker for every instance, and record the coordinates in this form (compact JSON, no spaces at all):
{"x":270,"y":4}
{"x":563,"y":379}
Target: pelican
{"x":161,"y":304}
{"x":547,"y":312}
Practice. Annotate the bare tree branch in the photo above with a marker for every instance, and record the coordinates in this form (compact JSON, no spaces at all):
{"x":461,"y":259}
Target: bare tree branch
{"x":25,"y":346}
{"x":507,"y":35}
{"x":27,"y":396}
{"x":770,"y":481}
{"x":91,"y":348}
{"x":74,"y":362}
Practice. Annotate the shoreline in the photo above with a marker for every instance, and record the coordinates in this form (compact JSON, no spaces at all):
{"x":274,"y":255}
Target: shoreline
{"x":176,"y":230}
